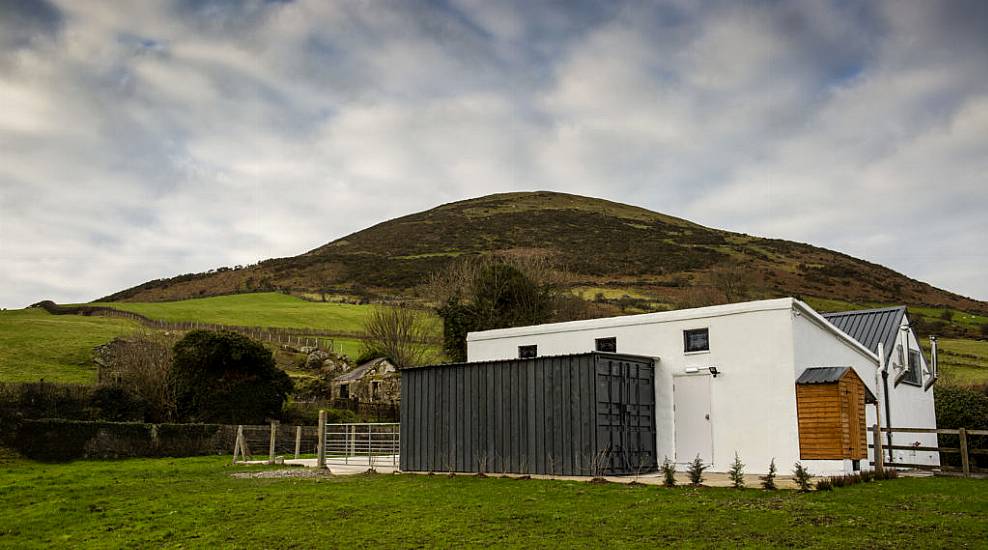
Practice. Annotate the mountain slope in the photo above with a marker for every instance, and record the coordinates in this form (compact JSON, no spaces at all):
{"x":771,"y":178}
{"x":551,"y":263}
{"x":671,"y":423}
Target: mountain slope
{"x":599,"y":243}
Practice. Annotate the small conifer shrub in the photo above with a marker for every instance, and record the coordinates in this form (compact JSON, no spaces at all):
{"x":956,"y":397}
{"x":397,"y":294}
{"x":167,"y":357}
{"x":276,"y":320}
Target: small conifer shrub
{"x":768,"y":480}
{"x":802,"y":477}
{"x":695,"y":470}
{"x":668,"y":473}
{"x":736,"y":472}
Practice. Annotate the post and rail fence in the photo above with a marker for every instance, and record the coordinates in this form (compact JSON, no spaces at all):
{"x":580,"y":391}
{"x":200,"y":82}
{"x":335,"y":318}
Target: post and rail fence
{"x":963,"y":449}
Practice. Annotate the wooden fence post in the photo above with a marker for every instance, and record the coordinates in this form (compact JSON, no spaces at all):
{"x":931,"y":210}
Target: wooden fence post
{"x":272,"y":441}
{"x":965,"y":464}
{"x":879,"y":453}
{"x":238,"y":444}
{"x":298,"y":440}
{"x":321,"y":450}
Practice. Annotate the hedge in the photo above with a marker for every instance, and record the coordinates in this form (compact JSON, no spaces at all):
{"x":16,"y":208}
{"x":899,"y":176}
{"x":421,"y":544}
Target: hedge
{"x":61,"y":440}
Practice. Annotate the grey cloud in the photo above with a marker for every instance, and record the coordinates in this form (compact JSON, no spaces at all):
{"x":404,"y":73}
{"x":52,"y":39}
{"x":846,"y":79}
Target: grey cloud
{"x":158,"y":139}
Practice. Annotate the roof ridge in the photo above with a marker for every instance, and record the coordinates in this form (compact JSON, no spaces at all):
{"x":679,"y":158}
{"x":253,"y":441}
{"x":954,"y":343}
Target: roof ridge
{"x":863,"y":311}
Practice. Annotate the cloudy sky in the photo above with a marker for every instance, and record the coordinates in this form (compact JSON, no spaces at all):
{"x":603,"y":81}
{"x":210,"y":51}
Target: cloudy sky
{"x":148,"y":139}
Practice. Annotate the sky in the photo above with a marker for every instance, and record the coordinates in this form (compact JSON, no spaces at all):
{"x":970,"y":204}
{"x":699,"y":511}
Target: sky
{"x":141,"y":140}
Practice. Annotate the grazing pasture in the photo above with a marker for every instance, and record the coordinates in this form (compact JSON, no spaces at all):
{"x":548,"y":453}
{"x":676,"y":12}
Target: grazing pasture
{"x":35,"y":344}
{"x":196,"y":502}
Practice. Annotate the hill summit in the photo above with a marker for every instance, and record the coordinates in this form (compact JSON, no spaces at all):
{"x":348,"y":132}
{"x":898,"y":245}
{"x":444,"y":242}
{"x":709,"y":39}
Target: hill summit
{"x":599,"y":244}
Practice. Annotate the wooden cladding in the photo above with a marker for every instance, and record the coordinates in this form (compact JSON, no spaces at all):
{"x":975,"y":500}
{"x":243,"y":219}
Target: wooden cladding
{"x":832,"y":419}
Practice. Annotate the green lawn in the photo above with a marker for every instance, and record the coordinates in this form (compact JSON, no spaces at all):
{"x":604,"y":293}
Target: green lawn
{"x":266,"y":309}
{"x":196,"y":503}
{"x":58,"y":348}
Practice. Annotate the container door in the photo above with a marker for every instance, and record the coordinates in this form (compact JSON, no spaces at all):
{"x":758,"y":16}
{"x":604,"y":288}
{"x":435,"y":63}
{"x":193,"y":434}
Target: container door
{"x":694,"y":433}
{"x":626,"y":416}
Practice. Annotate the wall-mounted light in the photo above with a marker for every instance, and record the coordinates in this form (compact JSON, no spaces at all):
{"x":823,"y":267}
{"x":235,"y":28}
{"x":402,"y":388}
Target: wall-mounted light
{"x":713,"y":371}
{"x":692,"y":370}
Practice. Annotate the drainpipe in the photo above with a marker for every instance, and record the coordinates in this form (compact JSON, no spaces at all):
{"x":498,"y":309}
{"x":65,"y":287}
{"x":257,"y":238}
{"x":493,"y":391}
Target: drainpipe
{"x":885,"y":394}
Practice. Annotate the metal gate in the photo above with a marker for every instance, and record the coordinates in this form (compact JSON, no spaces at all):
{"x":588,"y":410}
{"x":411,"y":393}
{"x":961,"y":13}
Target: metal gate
{"x":373,"y":444}
{"x":626,"y":415}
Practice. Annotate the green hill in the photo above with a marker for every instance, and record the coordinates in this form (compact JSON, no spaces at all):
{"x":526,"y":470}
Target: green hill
{"x":601,"y":245}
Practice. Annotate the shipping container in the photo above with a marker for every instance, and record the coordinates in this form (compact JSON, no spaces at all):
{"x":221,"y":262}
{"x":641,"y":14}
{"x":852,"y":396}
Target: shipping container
{"x":588,"y":414}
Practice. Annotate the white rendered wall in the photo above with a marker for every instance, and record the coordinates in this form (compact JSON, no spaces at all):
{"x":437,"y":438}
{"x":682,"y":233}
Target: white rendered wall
{"x":753,"y":400}
{"x":816,"y":347}
{"x":911,"y":407}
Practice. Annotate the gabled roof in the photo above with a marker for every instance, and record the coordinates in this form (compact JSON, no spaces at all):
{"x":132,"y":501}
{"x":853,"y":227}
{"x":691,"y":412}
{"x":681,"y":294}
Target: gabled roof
{"x":360,"y":371}
{"x":870,"y":326}
{"x":830,"y":375}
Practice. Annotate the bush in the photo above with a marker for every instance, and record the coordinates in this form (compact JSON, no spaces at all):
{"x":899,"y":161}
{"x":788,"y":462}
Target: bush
{"x":962,"y":407}
{"x":736,"y":472}
{"x":802,"y":477}
{"x":824,"y":484}
{"x":768,"y":480}
{"x":695,"y":470}
{"x":668,"y":472}
{"x":115,"y":404}
{"x":225,"y":377}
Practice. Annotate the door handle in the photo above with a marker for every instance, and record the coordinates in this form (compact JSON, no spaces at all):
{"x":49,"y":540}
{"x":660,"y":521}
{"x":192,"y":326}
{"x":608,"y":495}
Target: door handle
{"x":707,"y":416}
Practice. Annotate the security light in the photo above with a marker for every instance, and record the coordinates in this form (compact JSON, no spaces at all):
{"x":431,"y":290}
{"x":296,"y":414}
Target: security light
{"x":713,"y":371}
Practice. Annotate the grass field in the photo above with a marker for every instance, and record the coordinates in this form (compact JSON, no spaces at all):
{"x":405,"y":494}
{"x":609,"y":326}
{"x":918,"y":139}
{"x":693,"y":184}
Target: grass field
{"x":962,"y":361}
{"x":58,"y":348}
{"x":194,"y":502}
{"x":266,"y":309}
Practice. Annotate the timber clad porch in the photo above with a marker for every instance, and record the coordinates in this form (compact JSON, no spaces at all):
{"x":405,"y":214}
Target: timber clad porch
{"x":830,"y":405}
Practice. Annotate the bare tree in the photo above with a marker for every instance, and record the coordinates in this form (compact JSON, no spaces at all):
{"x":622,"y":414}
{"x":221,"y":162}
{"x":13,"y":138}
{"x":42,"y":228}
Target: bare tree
{"x":142,"y":365}
{"x":399,"y":333}
{"x":733,"y":280}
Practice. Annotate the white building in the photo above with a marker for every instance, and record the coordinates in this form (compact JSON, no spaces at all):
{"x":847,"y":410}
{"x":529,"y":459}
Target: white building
{"x":727,"y":376}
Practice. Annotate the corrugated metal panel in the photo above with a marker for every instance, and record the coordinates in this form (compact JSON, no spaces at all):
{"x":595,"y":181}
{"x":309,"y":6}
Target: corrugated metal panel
{"x":821,"y":375}
{"x":548,"y":415}
{"x":870,"y":326}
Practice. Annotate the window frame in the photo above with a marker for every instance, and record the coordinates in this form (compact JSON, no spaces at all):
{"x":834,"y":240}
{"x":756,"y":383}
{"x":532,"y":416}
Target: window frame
{"x":913,"y":377}
{"x":605,"y":340}
{"x":534,"y":348}
{"x":686,"y":340}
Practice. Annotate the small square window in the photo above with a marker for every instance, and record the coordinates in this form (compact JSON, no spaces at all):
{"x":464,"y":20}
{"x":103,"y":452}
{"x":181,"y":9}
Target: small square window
{"x":528,"y":352}
{"x":696,"y":340}
{"x":608,"y":345}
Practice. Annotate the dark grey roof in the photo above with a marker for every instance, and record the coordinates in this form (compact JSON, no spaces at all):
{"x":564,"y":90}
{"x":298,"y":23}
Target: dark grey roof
{"x":870,"y":326}
{"x":829,"y":375}
{"x":360,"y":371}
{"x":821,"y":375}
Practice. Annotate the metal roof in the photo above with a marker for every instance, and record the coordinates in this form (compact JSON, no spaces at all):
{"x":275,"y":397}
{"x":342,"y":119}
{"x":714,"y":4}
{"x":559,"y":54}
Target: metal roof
{"x":870,"y":326}
{"x":821,"y":375}
{"x":830,"y":375}
{"x":359,"y":372}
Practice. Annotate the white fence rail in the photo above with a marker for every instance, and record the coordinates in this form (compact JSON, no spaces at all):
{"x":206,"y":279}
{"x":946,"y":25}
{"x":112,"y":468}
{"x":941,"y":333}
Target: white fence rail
{"x":370,"y":443}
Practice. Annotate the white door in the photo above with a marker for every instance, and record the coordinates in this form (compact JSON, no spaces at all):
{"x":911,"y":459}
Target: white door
{"x":691,"y":401}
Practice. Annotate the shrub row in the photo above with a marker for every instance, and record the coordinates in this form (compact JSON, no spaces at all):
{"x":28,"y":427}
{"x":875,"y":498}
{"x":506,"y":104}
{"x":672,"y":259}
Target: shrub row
{"x":847,"y":480}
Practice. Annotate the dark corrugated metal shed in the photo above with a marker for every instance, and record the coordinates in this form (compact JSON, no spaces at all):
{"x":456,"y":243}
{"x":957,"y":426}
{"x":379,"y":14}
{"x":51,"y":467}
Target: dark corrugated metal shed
{"x":587,"y":414}
{"x":870,"y":326}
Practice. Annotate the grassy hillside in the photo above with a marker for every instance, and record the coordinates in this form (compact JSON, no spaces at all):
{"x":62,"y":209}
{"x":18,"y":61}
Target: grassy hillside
{"x":58,"y":348}
{"x":267,"y":309}
{"x":195,"y":502}
{"x":962,"y":361}
{"x":599,"y":244}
